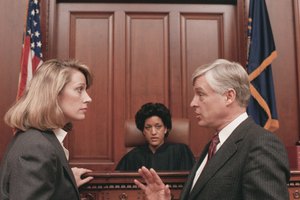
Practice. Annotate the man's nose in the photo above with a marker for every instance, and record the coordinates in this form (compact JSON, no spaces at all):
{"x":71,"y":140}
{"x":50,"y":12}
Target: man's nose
{"x":193,"y":102}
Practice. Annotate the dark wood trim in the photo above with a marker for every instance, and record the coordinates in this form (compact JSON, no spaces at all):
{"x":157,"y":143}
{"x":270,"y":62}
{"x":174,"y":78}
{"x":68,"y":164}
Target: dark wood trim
{"x":242,"y":19}
{"x":48,"y":23}
{"x":234,"y":2}
{"x":297,"y":46}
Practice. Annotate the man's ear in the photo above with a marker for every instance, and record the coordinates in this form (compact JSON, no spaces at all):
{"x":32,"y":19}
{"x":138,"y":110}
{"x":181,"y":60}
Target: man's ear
{"x":230,"y":96}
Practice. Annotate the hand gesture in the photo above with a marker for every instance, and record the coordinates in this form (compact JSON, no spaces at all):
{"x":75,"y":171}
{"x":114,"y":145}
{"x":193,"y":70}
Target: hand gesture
{"x":154,"y":189}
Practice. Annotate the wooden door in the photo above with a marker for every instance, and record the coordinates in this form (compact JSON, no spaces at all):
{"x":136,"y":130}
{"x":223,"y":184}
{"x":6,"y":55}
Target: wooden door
{"x":138,"y":53}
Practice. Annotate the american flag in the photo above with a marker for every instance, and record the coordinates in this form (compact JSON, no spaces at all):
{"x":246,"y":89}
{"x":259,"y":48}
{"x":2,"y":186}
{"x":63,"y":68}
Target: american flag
{"x":31,"y":57}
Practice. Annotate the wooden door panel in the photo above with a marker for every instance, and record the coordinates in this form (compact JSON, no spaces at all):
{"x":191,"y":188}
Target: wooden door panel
{"x":90,"y":36}
{"x":138,"y":53}
{"x":147,"y":66}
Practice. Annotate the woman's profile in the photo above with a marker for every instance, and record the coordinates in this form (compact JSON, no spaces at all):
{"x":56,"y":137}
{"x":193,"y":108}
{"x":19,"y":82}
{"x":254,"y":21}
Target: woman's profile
{"x":35,"y":165}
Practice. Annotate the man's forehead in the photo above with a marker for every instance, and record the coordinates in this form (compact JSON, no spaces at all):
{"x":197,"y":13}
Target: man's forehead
{"x":198,"y":88}
{"x":199,"y":81}
{"x":201,"y":85}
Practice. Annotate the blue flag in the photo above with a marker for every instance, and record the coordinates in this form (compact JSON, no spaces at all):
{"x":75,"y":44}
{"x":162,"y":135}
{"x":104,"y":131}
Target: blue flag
{"x":261,"y":53}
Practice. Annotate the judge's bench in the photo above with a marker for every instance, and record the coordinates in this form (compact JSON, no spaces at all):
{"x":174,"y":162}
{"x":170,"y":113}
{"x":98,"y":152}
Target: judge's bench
{"x":120,"y":186}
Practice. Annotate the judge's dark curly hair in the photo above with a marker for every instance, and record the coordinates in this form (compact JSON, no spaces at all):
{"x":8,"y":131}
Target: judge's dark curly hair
{"x":153,"y":109}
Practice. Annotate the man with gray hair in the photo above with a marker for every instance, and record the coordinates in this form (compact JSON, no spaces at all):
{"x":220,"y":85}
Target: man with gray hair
{"x":243,"y":160}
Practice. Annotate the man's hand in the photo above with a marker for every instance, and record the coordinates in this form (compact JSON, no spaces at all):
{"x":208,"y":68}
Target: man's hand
{"x":154,"y":189}
{"x":78,"y":172}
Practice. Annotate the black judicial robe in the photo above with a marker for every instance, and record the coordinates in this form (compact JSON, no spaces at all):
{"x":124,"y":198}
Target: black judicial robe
{"x":169,"y":156}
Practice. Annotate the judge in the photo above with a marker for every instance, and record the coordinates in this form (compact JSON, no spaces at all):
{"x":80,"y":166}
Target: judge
{"x":154,"y":122}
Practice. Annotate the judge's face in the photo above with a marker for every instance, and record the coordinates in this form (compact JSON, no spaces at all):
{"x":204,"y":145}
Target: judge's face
{"x":154,"y":132}
{"x":73,"y":99}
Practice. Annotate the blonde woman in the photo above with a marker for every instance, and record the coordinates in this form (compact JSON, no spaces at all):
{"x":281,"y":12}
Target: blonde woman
{"x":35,"y":164}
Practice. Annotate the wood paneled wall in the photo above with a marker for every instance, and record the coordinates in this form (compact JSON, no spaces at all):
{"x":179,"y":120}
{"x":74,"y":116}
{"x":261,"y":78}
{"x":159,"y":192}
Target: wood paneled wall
{"x":147,"y":52}
{"x":12,"y":14}
{"x":139,"y":53}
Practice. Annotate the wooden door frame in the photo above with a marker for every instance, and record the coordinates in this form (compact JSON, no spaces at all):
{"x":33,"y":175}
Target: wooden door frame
{"x":48,"y":21}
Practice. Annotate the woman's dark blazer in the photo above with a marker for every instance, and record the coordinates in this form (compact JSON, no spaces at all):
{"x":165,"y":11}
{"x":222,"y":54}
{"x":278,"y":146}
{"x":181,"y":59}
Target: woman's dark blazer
{"x":35,"y":167}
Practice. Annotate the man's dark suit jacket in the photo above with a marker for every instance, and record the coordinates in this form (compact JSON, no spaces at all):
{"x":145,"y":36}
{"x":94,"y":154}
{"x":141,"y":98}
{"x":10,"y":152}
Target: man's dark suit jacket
{"x":251,"y":164}
{"x":35,"y":167}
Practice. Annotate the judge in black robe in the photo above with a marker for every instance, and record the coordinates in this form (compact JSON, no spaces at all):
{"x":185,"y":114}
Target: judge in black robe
{"x":169,"y":156}
{"x":154,"y":122}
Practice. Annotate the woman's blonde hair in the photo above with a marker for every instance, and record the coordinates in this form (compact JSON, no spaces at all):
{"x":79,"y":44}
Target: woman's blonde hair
{"x":38,"y":107}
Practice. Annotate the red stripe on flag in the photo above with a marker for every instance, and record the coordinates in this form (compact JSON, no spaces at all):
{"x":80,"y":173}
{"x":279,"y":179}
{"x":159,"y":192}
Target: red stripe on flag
{"x":31,"y":57}
{"x":24,"y":64}
{"x":35,"y":63}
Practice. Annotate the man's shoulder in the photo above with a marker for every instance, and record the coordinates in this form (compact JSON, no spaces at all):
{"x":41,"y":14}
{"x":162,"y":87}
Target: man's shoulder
{"x":255,"y":133}
{"x":250,"y":127}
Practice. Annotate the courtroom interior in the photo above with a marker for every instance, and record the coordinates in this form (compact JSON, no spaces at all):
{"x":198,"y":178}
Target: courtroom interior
{"x":146,"y":51}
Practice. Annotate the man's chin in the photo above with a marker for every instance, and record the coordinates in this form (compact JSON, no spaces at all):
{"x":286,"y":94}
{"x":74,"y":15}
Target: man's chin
{"x":201,"y":123}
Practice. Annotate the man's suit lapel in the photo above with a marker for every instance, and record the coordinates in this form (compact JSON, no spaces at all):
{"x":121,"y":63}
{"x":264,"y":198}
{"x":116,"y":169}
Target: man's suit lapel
{"x":226,"y":151}
{"x":187,"y":188}
{"x":52,"y":138}
{"x":215,"y":163}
